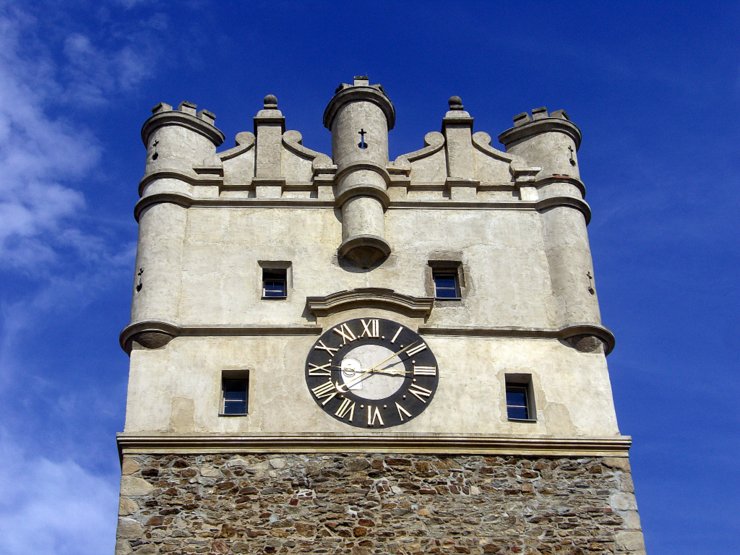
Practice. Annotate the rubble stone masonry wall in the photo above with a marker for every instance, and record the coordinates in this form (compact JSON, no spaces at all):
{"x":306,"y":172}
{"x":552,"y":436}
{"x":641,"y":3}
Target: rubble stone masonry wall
{"x":376,"y":503}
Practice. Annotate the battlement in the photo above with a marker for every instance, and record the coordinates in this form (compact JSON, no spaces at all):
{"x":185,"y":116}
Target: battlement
{"x":186,"y":107}
{"x":538,"y":123}
{"x":537,"y":114}
{"x":360,"y":81}
{"x":360,"y":90}
{"x":185,"y":115}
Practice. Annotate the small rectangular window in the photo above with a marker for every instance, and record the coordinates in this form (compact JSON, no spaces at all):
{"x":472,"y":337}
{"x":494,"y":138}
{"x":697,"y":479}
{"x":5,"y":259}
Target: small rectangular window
{"x":234,"y":393}
{"x":276,"y":278}
{"x":447,"y":281}
{"x":519,"y":397}
{"x":274,"y":284}
{"x":445,"y":285}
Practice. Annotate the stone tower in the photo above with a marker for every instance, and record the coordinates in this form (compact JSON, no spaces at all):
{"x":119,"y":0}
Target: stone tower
{"x":350,"y":354}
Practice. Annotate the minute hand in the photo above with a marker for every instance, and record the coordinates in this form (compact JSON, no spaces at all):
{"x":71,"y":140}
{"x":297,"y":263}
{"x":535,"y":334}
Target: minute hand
{"x":406,"y":348}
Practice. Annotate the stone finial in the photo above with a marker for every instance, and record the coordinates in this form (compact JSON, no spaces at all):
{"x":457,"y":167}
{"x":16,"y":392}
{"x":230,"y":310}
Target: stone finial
{"x":361,"y":80}
{"x":270,"y":102}
{"x":455,"y":103}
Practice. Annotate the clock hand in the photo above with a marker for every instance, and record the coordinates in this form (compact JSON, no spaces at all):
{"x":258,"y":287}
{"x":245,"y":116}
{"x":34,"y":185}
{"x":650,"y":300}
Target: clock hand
{"x":344,"y":387}
{"x":406,"y":348}
{"x":392,"y":372}
{"x":365,"y":374}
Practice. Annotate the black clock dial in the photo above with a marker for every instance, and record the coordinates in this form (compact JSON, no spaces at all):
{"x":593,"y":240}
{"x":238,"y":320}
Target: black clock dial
{"x":372,"y":373}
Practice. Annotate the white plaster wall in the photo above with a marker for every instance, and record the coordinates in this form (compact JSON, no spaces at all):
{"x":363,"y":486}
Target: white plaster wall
{"x":502,"y":252}
{"x":177,"y":388}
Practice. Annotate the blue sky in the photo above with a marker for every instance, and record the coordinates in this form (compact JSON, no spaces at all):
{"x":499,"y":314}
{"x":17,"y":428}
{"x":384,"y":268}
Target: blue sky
{"x":654,"y":86}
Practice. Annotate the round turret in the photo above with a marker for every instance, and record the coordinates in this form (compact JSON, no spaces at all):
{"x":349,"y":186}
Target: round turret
{"x":359,"y":117}
{"x":547,"y":140}
{"x":175,"y":139}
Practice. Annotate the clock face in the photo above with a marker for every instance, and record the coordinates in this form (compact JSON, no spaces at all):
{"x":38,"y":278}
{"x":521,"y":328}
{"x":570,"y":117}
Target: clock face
{"x":372,"y":373}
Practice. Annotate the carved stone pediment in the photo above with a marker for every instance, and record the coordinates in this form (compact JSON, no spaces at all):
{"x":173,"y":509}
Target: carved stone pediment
{"x":370,"y":297}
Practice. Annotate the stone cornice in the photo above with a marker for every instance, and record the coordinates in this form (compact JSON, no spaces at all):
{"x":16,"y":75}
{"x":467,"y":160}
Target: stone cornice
{"x":460,"y":444}
{"x":156,"y":333}
{"x":166,"y":331}
{"x":570,"y":202}
{"x":187,"y":201}
{"x":564,"y":333}
{"x":370,"y":297}
{"x":555,"y":178}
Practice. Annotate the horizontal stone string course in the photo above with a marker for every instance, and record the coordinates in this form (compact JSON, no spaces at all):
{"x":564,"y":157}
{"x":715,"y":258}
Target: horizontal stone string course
{"x":371,"y":503}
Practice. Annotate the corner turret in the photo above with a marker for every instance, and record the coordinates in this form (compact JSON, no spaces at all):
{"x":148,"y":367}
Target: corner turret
{"x":547,"y":140}
{"x":550,"y":141}
{"x":175,"y":139}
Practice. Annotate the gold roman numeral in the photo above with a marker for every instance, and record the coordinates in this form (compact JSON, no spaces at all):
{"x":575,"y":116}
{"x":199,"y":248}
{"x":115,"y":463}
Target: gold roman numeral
{"x":316,"y":370}
{"x":402,"y":412}
{"x":322,"y":347}
{"x":425,"y":370}
{"x":346,"y":408}
{"x":398,"y":332}
{"x":373,"y":416}
{"x":370,"y":328}
{"x":419,"y":392}
{"x":346,"y":333}
{"x":415,"y":350}
{"x":326,"y":390}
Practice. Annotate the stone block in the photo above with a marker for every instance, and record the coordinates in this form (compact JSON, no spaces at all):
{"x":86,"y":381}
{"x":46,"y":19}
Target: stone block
{"x":128,"y":528}
{"x":133,"y":486}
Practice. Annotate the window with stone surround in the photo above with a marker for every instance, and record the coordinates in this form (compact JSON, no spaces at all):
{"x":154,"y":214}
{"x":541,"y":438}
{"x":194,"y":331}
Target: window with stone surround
{"x":446,"y":279}
{"x":520,"y":398}
{"x":234,"y":392}
{"x":275,"y":279}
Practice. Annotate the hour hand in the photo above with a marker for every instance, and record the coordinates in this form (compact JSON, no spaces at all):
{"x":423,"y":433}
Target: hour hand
{"x":349,"y":384}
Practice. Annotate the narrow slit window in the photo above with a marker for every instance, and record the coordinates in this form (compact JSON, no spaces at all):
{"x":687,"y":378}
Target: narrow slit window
{"x":234,"y":393}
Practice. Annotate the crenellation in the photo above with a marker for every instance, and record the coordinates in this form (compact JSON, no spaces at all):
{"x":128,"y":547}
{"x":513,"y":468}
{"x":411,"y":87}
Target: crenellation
{"x":161,"y":107}
{"x":187,"y":107}
{"x":539,"y":113}
{"x":562,"y":114}
{"x":521,"y":119}
{"x":207,"y":116}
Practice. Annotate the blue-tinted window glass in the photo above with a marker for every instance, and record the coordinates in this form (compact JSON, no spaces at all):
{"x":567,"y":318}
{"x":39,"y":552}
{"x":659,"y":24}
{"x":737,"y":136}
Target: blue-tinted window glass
{"x":517,"y":403}
{"x":235,"y":396}
{"x":445,"y":285}
{"x":274,"y":284}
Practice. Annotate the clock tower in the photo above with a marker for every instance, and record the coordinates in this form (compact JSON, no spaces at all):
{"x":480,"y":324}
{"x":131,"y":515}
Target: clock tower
{"x":352,"y":354}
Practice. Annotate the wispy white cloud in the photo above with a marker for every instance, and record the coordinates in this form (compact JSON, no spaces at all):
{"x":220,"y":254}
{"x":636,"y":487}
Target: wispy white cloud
{"x":58,"y":257}
{"x":44,"y":148}
{"x":52,"y":506}
{"x":38,"y":154}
